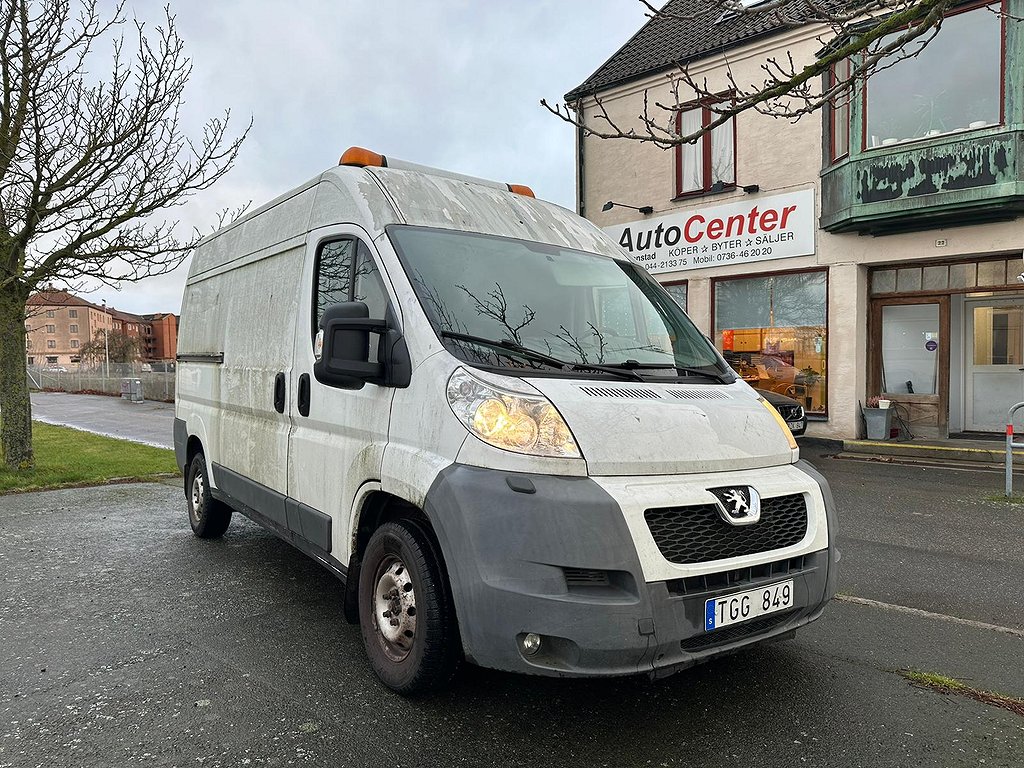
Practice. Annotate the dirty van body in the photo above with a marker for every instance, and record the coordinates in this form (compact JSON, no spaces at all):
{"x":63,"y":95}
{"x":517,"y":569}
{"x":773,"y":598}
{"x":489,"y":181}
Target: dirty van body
{"x":505,"y":438}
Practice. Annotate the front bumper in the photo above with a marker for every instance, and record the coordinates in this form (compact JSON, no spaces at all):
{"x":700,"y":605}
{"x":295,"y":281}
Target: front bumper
{"x":555,"y":556}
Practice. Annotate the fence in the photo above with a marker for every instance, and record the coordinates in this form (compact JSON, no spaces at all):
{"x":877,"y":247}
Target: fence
{"x":156,"y":385}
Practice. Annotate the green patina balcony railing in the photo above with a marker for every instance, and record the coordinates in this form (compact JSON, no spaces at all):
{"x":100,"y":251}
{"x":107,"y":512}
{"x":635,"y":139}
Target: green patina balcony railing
{"x":958,"y":178}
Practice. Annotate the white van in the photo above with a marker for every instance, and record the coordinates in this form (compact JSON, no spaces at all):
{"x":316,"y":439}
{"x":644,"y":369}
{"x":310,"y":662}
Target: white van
{"x":506,"y":439}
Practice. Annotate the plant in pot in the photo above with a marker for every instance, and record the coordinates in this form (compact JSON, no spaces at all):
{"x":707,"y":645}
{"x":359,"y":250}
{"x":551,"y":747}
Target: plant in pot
{"x":877,"y":419}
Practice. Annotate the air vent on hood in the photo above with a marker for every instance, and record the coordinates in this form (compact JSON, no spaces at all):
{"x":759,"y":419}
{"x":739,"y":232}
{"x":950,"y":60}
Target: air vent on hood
{"x":641,"y":394}
{"x":700,"y":394}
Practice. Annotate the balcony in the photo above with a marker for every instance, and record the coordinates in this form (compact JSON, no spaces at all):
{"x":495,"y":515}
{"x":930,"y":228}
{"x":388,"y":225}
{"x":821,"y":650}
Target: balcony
{"x":957,"y":178}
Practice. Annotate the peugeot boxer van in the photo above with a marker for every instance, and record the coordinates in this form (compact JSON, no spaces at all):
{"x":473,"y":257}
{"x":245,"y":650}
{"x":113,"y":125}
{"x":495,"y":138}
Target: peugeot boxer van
{"x":507,"y":441}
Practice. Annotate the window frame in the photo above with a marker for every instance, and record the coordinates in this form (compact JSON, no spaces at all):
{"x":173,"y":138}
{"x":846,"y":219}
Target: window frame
{"x":706,"y":148}
{"x":350,"y":293}
{"x":684,"y":282}
{"x":835,"y":111}
{"x":823,"y":415}
{"x":862,"y":101}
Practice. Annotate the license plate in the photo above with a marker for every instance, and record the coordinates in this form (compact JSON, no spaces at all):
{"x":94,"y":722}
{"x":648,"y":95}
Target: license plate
{"x":794,"y":424}
{"x":742,"y":606}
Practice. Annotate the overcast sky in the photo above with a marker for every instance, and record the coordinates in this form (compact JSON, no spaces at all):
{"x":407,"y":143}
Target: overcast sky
{"x":448,"y":83}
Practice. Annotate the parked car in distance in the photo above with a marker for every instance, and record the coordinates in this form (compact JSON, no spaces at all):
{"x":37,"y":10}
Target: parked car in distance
{"x":789,"y":409}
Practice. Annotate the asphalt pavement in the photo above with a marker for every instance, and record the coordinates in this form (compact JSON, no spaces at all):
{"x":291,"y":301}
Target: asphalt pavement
{"x":124,"y":640}
{"x":148,"y":422}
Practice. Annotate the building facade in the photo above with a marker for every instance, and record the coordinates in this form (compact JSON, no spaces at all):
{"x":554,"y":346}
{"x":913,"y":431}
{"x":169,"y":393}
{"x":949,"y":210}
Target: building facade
{"x":871,"y":248}
{"x":59,"y":325}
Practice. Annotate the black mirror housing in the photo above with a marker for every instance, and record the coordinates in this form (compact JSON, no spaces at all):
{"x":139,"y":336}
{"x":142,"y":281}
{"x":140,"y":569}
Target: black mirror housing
{"x":342,"y":359}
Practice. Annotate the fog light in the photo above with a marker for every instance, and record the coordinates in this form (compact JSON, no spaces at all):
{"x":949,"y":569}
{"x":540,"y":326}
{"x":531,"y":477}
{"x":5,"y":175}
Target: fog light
{"x":531,"y":643}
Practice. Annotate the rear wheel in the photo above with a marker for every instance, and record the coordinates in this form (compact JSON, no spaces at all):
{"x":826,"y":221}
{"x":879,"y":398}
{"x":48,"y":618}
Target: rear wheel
{"x":405,"y":612}
{"x":209,"y":518}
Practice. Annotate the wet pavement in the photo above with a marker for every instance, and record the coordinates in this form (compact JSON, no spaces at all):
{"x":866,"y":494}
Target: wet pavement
{"x":124,"y":640}
{"x":149,"y":422}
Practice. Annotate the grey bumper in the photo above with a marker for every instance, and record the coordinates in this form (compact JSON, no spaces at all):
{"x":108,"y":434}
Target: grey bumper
{"x":553,"y":556}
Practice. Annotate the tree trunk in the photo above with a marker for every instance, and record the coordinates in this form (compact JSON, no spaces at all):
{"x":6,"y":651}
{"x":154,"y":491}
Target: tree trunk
{"x":15,"y":406}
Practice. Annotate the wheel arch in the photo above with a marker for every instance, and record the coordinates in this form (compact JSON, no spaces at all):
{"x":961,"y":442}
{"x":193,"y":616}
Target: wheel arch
{"x":375,"y":508}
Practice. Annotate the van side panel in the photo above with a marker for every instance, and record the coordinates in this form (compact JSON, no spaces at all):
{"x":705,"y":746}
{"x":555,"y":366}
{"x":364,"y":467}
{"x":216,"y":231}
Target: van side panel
{"x":239,"y":305}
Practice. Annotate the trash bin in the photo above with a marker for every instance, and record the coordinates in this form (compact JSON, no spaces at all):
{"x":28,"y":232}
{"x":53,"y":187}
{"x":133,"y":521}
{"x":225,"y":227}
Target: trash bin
{"x":126,"y":389}
{"x":878,"y":422}
{"x":135,"y":390}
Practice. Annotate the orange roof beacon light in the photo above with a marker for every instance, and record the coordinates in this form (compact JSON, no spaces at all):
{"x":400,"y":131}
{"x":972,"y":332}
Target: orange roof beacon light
{"x":521,"y":189}
{"x":362,"y":158}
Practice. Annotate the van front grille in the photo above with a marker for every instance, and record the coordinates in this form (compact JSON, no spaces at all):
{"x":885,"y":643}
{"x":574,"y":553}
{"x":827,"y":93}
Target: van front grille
{"x":697,"y":534}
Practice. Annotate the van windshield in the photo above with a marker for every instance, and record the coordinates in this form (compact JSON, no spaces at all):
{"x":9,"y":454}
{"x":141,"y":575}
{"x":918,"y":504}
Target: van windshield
{"x":505,"y":303}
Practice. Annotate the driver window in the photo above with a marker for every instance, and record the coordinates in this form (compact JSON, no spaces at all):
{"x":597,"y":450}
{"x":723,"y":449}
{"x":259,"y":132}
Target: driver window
{"x":334,"y":282}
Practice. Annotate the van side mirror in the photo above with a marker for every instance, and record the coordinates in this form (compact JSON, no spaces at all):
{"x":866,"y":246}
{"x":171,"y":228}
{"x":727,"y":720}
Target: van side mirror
{"x":342,"y":349}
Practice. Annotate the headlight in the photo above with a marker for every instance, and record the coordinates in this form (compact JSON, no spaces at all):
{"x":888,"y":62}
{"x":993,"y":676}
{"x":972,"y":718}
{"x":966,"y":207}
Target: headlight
{"x":781,"y":421}
{"x":513,"y":421}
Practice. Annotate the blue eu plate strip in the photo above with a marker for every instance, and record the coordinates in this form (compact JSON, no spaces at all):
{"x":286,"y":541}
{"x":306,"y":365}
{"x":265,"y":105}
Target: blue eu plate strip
{"x":709,"y":615}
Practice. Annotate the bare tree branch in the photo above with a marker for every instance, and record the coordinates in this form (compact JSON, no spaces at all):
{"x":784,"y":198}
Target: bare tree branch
{"x":88,"y":165}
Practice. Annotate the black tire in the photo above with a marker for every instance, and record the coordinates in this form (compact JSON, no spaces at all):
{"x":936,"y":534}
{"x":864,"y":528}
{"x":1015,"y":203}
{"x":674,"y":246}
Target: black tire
{"x":415,"y":651}
{"x":208,"y":517}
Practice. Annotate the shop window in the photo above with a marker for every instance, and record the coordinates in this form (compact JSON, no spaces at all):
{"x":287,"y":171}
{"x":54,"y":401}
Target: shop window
{"x":678,"y":292}
{"x":51,"y":359}
{"x":31,"y":360}
{"x":773,"y":330}
{"x":949,"y":82}
{"x":709,"y":165}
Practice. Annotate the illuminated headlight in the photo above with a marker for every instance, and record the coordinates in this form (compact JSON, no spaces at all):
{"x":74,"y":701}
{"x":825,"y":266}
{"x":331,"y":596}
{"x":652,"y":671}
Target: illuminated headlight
{"x":514,"y":421}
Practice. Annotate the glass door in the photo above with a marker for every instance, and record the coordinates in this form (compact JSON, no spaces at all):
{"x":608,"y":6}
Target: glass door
{"x":910,"y":360}
{"x":994,"y":352}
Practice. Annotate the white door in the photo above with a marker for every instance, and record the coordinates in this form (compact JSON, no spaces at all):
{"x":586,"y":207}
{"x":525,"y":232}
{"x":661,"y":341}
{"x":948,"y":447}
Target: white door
{"x":338,"y":438}
{"x":994,"y":353}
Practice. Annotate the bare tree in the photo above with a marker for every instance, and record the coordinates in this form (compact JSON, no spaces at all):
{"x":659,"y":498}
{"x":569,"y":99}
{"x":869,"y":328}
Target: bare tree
{"x":860,"y":36}
{"x":86,"y":163}
{"x":112,"y":347}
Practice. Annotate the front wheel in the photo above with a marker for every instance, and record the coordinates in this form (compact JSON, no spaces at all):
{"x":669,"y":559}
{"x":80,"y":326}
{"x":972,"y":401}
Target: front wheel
{"x":208,"y":517}
{"x":405,"y":613}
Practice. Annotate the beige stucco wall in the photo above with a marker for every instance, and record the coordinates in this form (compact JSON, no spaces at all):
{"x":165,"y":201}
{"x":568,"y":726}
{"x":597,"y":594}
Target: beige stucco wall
{"x":779,"y":156}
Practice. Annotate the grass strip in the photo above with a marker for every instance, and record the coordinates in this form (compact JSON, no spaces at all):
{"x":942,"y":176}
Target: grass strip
{"x":952,"y":687}
{"x":68,"y":457}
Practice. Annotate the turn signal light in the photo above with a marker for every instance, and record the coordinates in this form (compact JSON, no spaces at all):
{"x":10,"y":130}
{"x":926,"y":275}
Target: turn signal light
{"x":362,"y":158}
{"x":521,"y":189}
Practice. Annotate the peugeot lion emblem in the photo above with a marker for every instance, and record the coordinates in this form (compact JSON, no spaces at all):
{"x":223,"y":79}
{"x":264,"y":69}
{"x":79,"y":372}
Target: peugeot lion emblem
{"x":739,"y":505}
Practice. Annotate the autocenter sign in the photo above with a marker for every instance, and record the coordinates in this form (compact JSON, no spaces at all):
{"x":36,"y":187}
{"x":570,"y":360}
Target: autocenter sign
{"x":756,"y":229}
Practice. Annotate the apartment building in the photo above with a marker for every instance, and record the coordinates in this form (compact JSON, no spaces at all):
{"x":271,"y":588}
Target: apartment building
{"x":59,"y":324}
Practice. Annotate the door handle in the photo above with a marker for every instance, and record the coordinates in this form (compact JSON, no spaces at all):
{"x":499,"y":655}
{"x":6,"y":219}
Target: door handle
{"x":279,"y":392}
{"x":304,"y":394}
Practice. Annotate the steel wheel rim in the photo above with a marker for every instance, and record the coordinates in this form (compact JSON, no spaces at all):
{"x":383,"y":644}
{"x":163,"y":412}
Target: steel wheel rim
{"x":198,"y":488}
{"x":394,"y":608}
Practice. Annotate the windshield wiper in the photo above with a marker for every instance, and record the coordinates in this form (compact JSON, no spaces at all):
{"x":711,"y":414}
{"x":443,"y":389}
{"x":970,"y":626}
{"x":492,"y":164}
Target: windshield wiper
{"x":632,"y":365}
{"x":508,"y":344}
{"x":511,"y":346}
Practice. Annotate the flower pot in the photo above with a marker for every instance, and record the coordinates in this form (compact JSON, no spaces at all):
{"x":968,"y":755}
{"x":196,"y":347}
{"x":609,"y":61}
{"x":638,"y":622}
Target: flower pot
{"x":879,"y":422}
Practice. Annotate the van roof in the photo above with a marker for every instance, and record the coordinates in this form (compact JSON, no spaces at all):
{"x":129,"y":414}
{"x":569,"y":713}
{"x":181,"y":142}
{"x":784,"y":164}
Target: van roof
{"x":374,"y":197}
